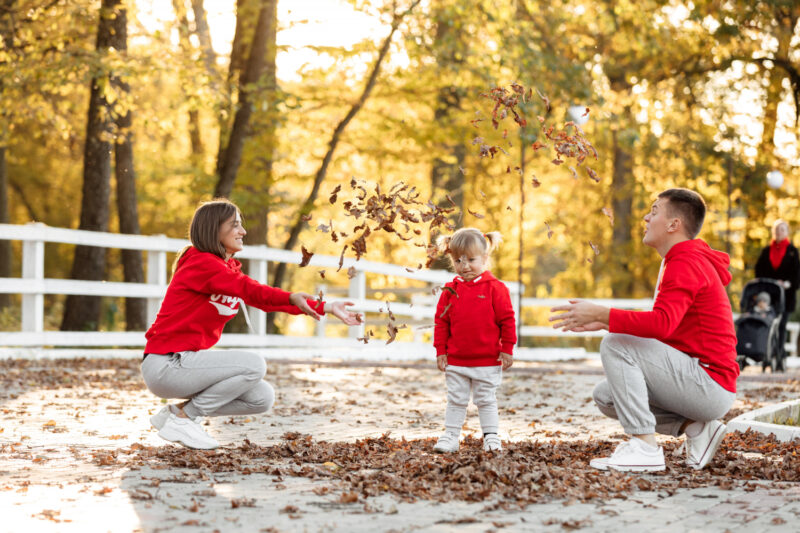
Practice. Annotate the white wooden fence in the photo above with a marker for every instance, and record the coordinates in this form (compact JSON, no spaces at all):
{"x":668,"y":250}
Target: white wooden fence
{"x":33,"y":286}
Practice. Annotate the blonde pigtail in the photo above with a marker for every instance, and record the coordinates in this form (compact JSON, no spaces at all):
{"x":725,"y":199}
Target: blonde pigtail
{"x":493,"y":240}
{"x":443,"y":243}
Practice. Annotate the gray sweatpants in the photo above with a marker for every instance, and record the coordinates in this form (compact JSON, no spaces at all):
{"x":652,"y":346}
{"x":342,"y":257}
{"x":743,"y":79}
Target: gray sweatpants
{"x":652,"y":387}
{"x":482,"y":381}
{"x":216,"y":382}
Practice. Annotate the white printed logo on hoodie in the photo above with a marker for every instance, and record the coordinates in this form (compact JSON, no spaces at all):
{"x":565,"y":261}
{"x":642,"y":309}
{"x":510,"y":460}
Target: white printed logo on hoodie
{"x":226,"y":305}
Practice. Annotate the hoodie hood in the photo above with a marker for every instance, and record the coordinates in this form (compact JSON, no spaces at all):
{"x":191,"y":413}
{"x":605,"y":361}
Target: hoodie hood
{"x":720,"y":261}
{"x":486,"y":277}
{"x":193,"y":254}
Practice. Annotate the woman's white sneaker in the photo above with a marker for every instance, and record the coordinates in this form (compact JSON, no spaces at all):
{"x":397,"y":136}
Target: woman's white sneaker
{"x":159,"y":419}
{"x":187,"y":432}
{"x":633,"y":455}
{"x":701,"y":449}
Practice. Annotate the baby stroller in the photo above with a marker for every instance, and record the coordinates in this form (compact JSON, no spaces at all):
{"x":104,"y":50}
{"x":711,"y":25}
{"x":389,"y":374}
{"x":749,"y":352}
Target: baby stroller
{"x":758,"y":327}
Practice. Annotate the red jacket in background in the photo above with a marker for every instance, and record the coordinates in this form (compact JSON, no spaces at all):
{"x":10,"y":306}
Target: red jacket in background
{"x":203,"y":296}
{"x":691,"y":312}
{"x":474,"y":322}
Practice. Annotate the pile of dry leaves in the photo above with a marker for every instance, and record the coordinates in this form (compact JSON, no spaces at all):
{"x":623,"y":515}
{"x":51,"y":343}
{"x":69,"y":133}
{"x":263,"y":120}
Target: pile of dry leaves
{"x":524,"y":473}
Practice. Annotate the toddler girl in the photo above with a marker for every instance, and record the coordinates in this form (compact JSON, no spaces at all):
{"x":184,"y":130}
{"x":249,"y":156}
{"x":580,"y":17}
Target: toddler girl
{"x":474,"y":336}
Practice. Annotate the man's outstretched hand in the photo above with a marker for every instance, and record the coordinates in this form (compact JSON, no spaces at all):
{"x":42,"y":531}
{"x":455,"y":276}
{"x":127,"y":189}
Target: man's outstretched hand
{"x":580,"y":316}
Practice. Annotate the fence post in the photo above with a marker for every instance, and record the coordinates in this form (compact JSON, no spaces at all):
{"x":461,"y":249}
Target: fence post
{"x":357,"y":291}
{"x":258,"y":270}
{"x":156,"y":275}
{"x":33,"y":268}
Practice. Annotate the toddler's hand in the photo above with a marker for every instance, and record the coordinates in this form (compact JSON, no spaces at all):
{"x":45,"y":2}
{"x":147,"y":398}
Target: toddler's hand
{"x":340,"y":311}
{"x":506,"y":359}
{"x":441,"y":362}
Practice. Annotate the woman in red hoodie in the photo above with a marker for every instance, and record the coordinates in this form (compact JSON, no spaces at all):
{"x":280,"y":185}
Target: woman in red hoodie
{"x":205,"y":292}
{"x":474,"y":336}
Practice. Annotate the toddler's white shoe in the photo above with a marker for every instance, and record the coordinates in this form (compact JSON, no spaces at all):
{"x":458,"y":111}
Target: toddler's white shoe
{"x":187,"y":432}
{"x":447,"y":443}
{"x":701,"y":449}
{"x":491,"y":443}
{"x":633,"y":455}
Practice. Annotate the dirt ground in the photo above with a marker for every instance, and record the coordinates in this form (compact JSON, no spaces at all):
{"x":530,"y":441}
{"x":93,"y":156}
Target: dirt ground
{"x":77,"y":453}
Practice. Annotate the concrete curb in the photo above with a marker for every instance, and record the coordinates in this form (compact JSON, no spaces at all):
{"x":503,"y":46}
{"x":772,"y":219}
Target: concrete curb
{"x":763,"y":420}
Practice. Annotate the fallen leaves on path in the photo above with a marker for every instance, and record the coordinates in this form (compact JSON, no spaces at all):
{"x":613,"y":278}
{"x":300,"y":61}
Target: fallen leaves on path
{"x":524,"y":473}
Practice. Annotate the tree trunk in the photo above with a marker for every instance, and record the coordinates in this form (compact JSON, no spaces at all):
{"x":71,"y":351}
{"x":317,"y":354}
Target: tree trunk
{"x":246,"y":11}
{"x":308,"y":205}
{"x":186,"y":48}
{"x":82,"y":313}
{"x":5,"y":246}
{"x":204,"y":36}
{"x":229,"y":166}
{"x":622,"y":181}
{"x":127,"y":207}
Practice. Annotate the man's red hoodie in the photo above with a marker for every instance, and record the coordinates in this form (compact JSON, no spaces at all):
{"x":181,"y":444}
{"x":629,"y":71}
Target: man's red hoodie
{"x":203,"y":296}
{"x":474,"y":322}
{"x":691,"y":312}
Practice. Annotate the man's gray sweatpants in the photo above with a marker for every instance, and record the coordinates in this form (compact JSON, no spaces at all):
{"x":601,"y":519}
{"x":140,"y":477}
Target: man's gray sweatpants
{"x":216,"y":382}
{"x":652,"y":387}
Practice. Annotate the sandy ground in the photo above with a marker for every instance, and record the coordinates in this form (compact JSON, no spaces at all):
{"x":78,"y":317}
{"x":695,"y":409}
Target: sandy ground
{"x":56,"y":420}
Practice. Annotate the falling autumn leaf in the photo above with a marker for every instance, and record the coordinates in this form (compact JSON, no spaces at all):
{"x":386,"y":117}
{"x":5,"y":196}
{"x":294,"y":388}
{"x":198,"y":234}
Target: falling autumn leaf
{"x":593,"y":175}
{"x":535,"y":182}
{"x":609,"y":213}
{"x":332,"y":198}
{"x":476,"y":215}
{"x":595,"y":249}
{"x":306,"y":256}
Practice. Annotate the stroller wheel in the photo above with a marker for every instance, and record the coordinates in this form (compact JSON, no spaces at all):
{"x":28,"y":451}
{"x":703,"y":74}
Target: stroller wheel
{"x":742,"y":360}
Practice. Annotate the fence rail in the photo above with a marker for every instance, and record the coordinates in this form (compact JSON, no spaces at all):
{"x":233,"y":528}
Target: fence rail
{"x":33,"y":286}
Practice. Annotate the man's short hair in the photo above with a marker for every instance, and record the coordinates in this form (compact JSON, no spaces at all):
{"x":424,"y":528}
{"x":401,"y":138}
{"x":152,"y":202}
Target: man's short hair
{"x":689,"y":207}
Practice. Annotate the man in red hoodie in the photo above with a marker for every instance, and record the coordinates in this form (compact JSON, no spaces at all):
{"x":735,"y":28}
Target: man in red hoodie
{"x":671,"y":370}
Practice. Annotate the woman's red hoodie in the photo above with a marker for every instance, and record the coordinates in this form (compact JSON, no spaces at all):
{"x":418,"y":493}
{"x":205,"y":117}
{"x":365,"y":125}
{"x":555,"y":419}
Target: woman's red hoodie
{"x":203,"y":296}
{"x":691,"y":312}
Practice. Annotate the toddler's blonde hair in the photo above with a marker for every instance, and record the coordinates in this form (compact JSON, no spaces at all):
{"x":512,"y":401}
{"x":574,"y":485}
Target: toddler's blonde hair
{"x":469,"y":240}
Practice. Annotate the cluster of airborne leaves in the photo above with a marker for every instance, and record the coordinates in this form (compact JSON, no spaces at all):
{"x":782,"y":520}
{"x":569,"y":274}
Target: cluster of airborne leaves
{"x":402,"y":213}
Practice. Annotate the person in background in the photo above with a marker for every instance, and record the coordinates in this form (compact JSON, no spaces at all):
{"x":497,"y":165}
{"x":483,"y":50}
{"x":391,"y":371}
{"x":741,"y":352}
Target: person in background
{"x":780,"y":261}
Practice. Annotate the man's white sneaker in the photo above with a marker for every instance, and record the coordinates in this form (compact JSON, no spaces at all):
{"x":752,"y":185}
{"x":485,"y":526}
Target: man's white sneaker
{"x":447,"y":443}
{"x":632,"y":456}
{"x":491,"y":443}
{"x":701,"y":449}
{"x":158,"y":419}
{"x":187,"y":432}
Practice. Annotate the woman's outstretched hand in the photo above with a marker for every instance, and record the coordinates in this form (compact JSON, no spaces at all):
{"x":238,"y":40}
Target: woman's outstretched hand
{"x":340,"y":311}
{"x":300,"y":300}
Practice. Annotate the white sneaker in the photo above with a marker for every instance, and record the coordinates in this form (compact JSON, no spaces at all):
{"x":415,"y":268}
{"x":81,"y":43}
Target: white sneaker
{"x":187,"y":432}
{"x":491,"y":443}
{"x":447,"y":443}
{"x":158,"y":419}
{"x":701,"y":449}
{"x":633,"y":455}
